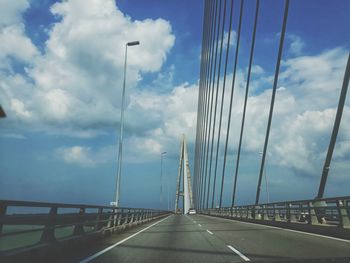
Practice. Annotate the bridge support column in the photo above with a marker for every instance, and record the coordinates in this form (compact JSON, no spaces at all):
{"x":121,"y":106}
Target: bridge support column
{"x":343,"y":214}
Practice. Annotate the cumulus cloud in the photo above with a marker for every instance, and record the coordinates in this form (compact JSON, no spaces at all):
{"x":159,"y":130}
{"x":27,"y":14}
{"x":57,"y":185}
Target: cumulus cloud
{"x":14,"y":44}
{"x":73,"y":88}
{"x":233,"y":38}
{"x":304,"y":112}
{"x":77,"y":80}
{"x":296,"y":44}
{"x":11,"y":11}
{"x":85,"y":156}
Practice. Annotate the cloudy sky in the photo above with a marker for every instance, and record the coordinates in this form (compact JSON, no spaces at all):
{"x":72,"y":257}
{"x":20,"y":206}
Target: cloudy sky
{"x":61,"y":66}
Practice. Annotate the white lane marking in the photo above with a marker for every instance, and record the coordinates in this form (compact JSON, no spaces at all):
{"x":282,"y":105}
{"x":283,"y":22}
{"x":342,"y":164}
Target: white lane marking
{"x":211,"y":233}
{"x":285,"y":229}
{"x":199,"y":224}
{"x":238,"y":253}
{"x":118,"y":243}
{"x":194,"y":221}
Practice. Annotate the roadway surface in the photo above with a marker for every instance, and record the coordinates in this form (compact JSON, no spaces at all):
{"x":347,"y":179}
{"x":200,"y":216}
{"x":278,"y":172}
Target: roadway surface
{"x":199,"y":238}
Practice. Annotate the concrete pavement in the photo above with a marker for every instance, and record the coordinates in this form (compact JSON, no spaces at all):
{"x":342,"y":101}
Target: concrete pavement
{"x":199,"y":238}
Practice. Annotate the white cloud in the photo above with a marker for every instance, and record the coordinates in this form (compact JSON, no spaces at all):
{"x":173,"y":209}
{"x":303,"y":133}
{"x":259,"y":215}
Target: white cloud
{"x":74,"y":88}
{"x":342,"y":149}
{"x":233,"y":38}
{"x":11,"y":11}
{"x":14,"y":43}
{"x":76,"y":155}
{"x":296,"y":44}
{"x":77,"y":81}
{"x":256,"y":69}
{"x":85,"y":156}
{"x":12,"y":136}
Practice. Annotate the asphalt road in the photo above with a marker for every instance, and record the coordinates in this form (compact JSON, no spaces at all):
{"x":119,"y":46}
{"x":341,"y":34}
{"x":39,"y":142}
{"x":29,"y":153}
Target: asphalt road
{"x":203,"y":239}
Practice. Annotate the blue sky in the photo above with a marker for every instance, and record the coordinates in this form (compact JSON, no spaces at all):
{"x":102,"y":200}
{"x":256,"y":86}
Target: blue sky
{"x":60,"y":84}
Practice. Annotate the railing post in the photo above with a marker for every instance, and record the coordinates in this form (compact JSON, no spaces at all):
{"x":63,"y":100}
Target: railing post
{"x":110,"y":221}
{"x":313,"y":218}
{"x":119,"y":214}
{"x":138,"y":216}
{"x":265,"y":216}
{"x":287,"y":207}
{"x":343,"y":214}
{"x":257,"y":215}
{"x":48,"y":235}
{"x":132,"y":218}
{"x":115,"y":218}
{"x":292,"y":216}
{"x":126,"y":218}
{"x":3,"y":209}
{"x":79,"y":227}
{"x":98,"y":225}
{"x":277,"y":217}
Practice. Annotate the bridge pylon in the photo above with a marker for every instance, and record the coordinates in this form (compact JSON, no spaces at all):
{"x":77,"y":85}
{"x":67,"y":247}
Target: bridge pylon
{"x":184,"y":176}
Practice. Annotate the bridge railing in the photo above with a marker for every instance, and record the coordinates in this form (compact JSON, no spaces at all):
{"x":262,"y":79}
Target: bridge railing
{"x":26,"y":224}
{"x":324,"y":212}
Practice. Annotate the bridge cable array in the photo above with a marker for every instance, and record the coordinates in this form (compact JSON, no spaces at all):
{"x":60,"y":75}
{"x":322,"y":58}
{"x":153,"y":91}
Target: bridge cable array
{"x":208,"y":186}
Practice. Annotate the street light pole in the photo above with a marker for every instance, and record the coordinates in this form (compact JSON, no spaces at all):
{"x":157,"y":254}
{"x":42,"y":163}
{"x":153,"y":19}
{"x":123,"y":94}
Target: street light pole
{"x":119,"y":169}
{"x":161,"y":178}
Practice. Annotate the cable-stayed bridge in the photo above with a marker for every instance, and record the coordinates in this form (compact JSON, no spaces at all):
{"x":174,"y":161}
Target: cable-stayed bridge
{"x":312,"y":230}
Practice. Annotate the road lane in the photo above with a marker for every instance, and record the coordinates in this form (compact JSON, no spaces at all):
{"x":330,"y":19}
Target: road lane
{"x":199,"y":238}
{"x":176,"y":239}
{"x":259,"y":242}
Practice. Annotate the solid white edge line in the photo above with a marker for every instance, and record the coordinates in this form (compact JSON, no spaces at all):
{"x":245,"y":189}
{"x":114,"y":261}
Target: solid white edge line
{"x":285,"y":229}
{"x":118,"y":243}
{"x":238,"y":253}
{"x":211,"y":233}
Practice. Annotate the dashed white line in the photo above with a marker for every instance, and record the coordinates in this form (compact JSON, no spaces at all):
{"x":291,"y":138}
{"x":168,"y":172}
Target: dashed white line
{"x":211,"y":233}
{"x":238,"y":253}
{"x":286,"y":229}
{"x":199,"y":224}
{"x":118,"y":243}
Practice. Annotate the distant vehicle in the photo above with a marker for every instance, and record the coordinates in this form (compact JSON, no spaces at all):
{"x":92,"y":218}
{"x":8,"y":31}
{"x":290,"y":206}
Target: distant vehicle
{"x":192,"y":211}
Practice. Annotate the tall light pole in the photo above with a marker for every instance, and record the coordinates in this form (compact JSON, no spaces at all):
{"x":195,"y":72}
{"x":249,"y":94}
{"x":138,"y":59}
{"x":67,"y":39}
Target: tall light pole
{"x":266,"y":182}
{"x":120,"y":153}
{"x":161,"y":177}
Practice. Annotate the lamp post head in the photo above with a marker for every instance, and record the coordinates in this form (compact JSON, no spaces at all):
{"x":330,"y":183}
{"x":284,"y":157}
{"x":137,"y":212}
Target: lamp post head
{"x":133,"y":43}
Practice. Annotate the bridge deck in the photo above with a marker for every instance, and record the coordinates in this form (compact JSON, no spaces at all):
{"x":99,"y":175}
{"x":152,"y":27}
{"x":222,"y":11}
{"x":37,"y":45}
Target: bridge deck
{"x":201,"y":238}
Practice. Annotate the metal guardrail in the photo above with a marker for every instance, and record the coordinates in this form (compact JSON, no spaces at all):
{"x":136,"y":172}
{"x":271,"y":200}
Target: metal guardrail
{"x":325,"y":212}
{"x":57,"y":221}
